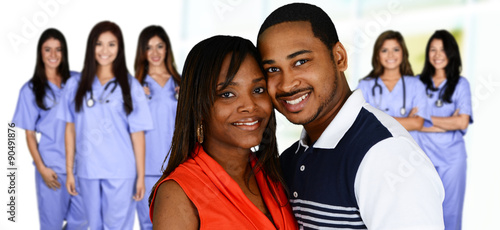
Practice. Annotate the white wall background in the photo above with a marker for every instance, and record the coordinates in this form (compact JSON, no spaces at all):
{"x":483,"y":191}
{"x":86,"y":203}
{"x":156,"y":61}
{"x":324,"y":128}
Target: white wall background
{"x":358,"y":24}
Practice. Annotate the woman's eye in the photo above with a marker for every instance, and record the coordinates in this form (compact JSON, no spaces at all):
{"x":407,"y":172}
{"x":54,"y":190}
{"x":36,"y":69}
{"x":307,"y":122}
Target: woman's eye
{"x":112,"y":44}
{"x":300,"y":62}
{"x":259,"y":90}
{"x":272,"y":69}
{"x":226,"y":95}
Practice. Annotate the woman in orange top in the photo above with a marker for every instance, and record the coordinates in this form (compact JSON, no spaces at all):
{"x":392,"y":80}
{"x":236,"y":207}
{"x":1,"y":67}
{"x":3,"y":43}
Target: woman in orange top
{"x":223,"y":171}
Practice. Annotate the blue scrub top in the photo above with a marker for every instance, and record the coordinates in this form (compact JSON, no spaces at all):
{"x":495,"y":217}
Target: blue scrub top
{"x":391,"y":102}
{"x":163,"y":107}
{"x":29,"y":116}
{"x":103,"y":144}
{"x":448,"y":146}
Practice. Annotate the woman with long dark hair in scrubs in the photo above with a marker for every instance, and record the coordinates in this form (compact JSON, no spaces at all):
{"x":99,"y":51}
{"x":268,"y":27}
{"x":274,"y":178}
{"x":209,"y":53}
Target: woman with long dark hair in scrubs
{"x":449,"y":100}
{"x":35,"y":112}
{"x":155,"y":69}
{"x":106,"y":114}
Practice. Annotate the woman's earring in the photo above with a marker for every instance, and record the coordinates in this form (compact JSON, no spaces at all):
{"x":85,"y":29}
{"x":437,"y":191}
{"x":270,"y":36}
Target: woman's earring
{"x":199,"y":133}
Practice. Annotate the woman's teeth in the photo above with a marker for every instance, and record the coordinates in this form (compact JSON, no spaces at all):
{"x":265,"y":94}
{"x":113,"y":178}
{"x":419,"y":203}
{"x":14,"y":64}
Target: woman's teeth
{"x":246,"y":123}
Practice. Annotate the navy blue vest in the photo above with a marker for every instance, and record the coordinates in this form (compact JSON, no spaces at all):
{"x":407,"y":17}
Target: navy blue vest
{"x":321,"y":181}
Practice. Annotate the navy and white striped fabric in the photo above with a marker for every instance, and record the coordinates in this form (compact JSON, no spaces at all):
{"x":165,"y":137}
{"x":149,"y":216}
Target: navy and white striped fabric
{"x":321,"y":180}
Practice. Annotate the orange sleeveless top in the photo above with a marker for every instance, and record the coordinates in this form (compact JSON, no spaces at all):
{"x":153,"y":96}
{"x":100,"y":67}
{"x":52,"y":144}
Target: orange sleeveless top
{"x":221,"y":203}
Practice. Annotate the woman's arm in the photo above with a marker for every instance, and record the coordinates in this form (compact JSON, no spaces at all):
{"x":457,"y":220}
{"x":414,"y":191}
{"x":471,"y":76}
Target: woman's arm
{"x":48,"y":175}
{"x":69,"y":140}
{"x":432,"y":129}
{"x":173,"y":209}
{"x":412,"y":122}
{"x":455,"y":122}
{"x":138,"y":143}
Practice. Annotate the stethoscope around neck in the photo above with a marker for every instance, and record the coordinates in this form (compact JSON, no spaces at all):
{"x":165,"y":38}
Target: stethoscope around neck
{"x":439,"y":101}
{"x":102,"y":99}
{"x":402,"y":111}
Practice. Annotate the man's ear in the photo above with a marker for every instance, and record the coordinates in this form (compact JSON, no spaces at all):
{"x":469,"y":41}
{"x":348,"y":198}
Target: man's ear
{"x":340,"y":56}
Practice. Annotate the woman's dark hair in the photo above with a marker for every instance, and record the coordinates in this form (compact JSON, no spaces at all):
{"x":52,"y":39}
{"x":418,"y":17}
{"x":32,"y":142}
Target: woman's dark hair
{"x":141,"y":61}
{"x":378,"y":69}
{"x":90,"y":66}
{"x":39,"y":81}
{"x":197,"y":95}
{"x":453,"y":68}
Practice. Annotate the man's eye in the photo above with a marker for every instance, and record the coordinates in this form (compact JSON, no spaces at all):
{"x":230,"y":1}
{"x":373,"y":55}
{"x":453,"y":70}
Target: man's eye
{"x":300,"y":62}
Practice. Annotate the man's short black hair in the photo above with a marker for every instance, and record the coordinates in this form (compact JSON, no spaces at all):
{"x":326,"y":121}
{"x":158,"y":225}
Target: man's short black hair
{"x":322,"y":25}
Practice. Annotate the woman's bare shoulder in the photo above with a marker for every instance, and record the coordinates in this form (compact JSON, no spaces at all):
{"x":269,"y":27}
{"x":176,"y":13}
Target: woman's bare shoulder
{"x":173,"y":209}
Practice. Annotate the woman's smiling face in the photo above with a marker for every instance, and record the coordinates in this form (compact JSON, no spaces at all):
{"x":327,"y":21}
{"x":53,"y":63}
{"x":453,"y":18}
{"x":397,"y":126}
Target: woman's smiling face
{"x":241,"y":111}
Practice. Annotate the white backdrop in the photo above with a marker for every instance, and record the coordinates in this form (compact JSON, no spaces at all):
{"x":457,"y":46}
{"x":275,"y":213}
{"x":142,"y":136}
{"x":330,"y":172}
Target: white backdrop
{"x":188,"y":22}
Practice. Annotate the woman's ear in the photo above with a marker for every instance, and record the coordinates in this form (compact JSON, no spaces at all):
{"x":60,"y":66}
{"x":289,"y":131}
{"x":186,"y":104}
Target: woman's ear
{"x":340,"y":56}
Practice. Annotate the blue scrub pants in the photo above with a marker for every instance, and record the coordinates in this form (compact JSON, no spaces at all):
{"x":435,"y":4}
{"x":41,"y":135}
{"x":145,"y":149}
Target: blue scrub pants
{"x":453,"y":176}
{"x":55,"y":206}
{"x":143,"y":206}
{"x":109,"y":203}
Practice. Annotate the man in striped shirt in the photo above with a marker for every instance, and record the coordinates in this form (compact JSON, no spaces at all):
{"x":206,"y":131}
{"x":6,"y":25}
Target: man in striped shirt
{"x":354,"y":167}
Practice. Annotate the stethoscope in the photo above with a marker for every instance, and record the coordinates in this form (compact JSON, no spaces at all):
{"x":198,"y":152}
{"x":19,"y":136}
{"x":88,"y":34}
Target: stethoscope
{"x":377,"y":85}
{"x":150,"y":96}
{"x":101,"y":99}
{"x":439,"y":101}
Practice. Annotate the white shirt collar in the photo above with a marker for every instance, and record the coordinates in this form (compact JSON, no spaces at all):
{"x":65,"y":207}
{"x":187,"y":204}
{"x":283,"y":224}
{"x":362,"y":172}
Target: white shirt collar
{"x":339,"y":125}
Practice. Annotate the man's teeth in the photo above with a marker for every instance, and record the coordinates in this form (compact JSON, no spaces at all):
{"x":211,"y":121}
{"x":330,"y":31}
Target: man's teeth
{"x":298,"y":100}
{"x":246,"y":123}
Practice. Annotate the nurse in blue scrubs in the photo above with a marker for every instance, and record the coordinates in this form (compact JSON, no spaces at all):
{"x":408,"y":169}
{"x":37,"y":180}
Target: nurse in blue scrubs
{"x":155,"y":70}
{"x":391,"y":87}
{"x":35,"y":112}
{"x":449,"y":100}
{"x":106,"y":113}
